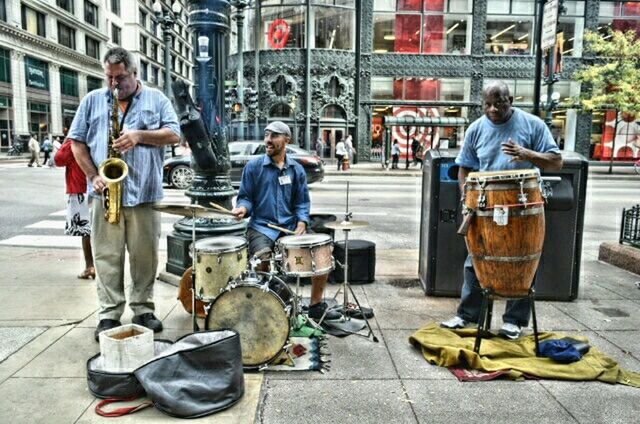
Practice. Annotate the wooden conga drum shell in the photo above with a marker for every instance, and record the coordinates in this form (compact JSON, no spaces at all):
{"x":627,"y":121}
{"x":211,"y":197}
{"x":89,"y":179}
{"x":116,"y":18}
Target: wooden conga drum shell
{"x":506,"y":257}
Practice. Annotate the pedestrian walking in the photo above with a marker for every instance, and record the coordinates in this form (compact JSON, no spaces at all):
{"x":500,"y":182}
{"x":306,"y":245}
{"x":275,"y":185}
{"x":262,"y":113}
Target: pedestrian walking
{"x":78,"y":222}
{"x":415,"y":144}
{"x":56,"y":146}
{"x":341,"y":152}
{"x":47,"y":147}
{"x":395,"y":154}
{"x":348,"y":144}
{"x":319,"y":147}
{"x":34,"y":148}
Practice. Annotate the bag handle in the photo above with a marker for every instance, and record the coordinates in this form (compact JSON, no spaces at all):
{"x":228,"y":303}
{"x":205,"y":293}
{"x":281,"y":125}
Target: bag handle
{"x":119,"y":412}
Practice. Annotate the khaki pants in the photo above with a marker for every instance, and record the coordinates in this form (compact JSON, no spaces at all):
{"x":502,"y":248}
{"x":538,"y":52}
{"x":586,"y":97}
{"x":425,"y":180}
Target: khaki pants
{"x":139,"y":232}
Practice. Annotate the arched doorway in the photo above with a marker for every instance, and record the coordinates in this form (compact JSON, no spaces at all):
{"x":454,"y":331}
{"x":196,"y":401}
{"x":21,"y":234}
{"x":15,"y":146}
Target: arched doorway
{"x":332,"y":128}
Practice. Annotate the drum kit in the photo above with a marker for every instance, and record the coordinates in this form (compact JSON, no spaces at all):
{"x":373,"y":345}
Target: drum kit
{"x":259,"y":305}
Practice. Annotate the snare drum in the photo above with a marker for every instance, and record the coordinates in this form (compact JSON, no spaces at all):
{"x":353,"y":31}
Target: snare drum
{"x":259,"y":309}
{"x":306,"y":255}
{"x":506,"y":235}
{"x":219,"y":260}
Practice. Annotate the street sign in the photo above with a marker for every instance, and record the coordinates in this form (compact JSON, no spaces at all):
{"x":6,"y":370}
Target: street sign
{"x":549,"y":23}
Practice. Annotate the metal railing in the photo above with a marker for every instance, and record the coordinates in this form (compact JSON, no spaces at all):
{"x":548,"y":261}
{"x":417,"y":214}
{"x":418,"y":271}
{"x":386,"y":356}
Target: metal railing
{"x":630,"y":228}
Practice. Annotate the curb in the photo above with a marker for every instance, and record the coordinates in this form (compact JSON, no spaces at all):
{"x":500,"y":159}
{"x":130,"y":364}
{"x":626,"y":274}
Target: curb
{"x":620,"y":255}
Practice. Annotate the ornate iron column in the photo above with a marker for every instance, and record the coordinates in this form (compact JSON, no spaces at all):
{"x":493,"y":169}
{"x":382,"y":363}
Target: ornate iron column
{"x":205,"y":129}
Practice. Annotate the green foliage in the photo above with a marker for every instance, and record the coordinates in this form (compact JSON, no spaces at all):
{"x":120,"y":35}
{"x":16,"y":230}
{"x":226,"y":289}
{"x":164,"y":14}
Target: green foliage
{"x":614,"y":80}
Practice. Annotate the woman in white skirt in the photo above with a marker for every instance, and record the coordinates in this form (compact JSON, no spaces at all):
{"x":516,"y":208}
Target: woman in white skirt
{"x":78,"y":222}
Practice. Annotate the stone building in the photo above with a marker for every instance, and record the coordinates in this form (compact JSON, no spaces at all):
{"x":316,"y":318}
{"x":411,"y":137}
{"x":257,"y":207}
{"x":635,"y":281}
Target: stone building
{"x":318,"y":59}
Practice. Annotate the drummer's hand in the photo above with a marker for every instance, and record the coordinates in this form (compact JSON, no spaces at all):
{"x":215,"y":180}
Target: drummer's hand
{"x":98,"y":183}
{"x":301,"y":228}
{"x":517,"y":152}
{"x":240,"y":212}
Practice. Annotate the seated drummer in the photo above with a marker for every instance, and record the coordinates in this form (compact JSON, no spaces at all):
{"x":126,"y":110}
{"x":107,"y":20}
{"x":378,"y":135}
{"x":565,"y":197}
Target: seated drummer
{"x":505,"y":138}
{"x":274,"y":191}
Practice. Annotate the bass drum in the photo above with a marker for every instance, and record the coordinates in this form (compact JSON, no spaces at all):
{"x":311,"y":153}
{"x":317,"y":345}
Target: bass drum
{"x":261,"y":315}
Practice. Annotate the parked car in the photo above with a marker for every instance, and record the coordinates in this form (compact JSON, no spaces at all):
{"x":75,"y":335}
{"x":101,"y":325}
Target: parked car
{"x":177,"y":170}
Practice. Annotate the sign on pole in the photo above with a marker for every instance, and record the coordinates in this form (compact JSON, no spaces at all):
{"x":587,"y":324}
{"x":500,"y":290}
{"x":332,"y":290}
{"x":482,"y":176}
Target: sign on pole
{"x":549,"y":23}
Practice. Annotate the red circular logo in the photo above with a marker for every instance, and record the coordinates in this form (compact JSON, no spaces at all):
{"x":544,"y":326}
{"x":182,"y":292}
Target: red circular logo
{"x":278,"y":34}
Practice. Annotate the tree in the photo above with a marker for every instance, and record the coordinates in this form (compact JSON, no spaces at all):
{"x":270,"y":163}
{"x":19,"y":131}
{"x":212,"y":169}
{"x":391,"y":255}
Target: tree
{"x":612,"y":79}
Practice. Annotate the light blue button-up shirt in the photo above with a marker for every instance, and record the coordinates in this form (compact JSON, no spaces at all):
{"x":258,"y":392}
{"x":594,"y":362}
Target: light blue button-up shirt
{"x":270,"y":202}
{"x":482,"y":149}
{"x":150,"y":110}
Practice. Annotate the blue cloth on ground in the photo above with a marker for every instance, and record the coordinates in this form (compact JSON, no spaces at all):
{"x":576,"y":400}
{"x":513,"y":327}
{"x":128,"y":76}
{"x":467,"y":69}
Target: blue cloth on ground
{"x":559,"y":350}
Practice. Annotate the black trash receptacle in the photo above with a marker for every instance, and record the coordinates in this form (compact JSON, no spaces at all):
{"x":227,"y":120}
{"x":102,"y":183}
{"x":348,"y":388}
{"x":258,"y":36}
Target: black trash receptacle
{"x":442,"y":251}
{"x":362,"y":262}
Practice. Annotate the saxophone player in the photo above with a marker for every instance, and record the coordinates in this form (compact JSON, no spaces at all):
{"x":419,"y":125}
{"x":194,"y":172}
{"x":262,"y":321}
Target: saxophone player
{"x":147,"y":123}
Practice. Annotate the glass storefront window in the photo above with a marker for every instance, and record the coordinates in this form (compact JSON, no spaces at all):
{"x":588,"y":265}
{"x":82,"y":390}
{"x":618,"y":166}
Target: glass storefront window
{"x":39,"y":119}
{"x":93,"y":83}
{"x":509,"y":35}
{"x":422,"y":26}
{"x":5,"y":65}
{"x":334,"y":28}
{"x":619,"y":16}
{"x":420,"y":88}
{"x":283,"y":27}
{"x":68,"y":82}
{"x":37,"y":73}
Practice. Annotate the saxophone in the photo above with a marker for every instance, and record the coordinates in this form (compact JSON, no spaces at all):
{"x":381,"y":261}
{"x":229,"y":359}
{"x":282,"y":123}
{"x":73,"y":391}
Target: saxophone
{"x":113,"y":170}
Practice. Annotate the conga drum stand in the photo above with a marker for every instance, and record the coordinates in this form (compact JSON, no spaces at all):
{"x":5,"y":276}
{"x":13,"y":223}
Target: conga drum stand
{"x":486,"y":313}
{"x":346,"y":324}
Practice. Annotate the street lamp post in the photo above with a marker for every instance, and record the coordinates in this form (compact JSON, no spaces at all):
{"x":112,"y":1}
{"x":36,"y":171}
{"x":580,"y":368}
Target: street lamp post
{"x":167,"y":19}
{"x":240,"y":6}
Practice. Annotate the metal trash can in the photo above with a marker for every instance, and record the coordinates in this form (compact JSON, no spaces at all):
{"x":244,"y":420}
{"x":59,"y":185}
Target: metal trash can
{"x":442,"y":251}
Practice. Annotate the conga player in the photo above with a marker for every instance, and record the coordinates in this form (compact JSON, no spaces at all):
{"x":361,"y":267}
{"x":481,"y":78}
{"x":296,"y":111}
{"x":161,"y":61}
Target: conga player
{"x":505,"y":138}
{"x":274,"y":190}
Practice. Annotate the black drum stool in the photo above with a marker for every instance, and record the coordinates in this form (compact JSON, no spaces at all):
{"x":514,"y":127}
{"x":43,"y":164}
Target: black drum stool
{"x":362,"y":262}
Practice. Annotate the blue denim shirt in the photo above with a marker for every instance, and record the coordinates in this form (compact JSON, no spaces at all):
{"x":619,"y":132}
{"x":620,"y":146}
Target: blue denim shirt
{"x":482,"y":149}
{"x":150,"y":110}
{"x":269,"y":202}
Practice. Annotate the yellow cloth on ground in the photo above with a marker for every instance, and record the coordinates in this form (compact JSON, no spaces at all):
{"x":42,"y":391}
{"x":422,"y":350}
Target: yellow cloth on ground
{"x":448,"y":348}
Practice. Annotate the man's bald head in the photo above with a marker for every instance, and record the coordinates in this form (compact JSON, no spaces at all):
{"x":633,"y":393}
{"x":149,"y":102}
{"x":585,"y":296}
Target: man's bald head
{"x":497,"y":102}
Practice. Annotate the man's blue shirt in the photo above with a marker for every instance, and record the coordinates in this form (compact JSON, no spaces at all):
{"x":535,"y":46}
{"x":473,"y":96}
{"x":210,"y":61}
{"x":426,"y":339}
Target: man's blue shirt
{"x":150,"y":110}
{"x":482,"y":149}
{"x":270,"y":202}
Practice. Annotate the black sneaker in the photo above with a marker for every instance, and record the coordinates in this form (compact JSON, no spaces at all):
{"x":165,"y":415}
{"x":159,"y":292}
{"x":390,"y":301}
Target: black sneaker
{"x":318,"y":310}
{"x":106,"y":324}
{"x":148,"y":320}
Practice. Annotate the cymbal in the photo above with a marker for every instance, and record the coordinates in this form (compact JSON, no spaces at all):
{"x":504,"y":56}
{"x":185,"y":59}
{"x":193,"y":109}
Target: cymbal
{"x":346,"y":225}
{"x":189,"y":210}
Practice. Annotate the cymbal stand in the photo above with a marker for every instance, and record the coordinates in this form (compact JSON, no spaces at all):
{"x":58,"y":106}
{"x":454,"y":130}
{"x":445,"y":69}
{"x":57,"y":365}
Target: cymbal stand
{"x":194,"y":316}
{"x":345,"y":323}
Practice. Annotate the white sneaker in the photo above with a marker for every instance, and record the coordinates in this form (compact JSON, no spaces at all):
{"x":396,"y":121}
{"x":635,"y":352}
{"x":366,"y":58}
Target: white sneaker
{"x":455,"y":322}
{"x":510,"y":331}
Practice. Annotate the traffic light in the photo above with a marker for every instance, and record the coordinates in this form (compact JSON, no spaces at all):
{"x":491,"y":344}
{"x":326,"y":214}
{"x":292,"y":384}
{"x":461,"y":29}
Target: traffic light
{"x":251,"y":98}
{"x":237,"y":108}
{"x":230,"y":98}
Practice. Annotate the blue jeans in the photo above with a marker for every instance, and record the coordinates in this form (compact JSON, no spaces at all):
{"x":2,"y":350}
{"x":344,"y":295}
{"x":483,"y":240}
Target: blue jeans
{"x":517,"y":311}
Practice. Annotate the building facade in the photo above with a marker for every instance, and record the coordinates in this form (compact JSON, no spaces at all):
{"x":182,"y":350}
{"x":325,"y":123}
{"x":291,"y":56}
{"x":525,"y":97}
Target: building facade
{"x":51,"y":53}
{"x":318,"y":59}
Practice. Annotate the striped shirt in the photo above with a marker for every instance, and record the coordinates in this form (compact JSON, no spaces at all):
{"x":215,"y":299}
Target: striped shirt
{"x":150,"y":110}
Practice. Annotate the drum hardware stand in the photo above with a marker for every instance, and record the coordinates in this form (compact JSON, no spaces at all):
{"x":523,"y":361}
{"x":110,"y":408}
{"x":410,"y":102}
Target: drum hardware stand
{"x":194,"y":316}
{"x":486,"y":313}
{"x":346,"y":323}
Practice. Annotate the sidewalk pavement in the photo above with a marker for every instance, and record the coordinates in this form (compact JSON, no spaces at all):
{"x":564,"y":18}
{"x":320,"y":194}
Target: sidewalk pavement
{"x":596,"y":171}
{"x":47,"y":319}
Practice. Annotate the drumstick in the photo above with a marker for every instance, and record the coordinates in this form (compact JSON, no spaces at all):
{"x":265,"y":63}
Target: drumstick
{"x":284,"y":230}
{"x":221,"y":209}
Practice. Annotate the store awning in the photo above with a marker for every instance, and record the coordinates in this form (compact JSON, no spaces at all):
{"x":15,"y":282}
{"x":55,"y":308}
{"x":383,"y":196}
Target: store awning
{"x":429,"y":121}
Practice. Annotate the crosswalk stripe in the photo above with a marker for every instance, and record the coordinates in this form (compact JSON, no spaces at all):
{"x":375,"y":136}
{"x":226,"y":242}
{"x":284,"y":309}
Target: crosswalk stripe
{"x":60,"y":242}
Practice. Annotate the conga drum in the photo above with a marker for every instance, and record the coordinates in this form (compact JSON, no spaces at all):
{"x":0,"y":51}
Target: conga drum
{"x":506,"y":231}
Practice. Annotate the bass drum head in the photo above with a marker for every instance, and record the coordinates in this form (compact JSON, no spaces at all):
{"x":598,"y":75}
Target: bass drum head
{"x":258,"y":316}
